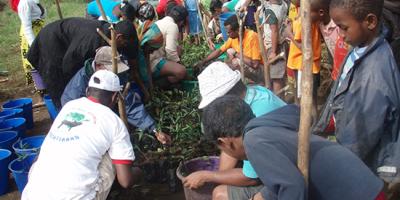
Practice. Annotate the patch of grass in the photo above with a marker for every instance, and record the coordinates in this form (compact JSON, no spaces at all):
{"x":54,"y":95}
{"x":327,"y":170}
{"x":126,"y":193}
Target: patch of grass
{"x":10,"y":56}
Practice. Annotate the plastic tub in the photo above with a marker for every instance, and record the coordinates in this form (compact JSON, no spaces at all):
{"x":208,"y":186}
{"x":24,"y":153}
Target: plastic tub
{"x":7,"y":139}
{"x":4,"y":161}
{"x":51,"y":108}
{"x":210,"y":163}
{"x":20,"y":170}
{"x":15,"y":124}
{"x":29,"y":145}
{"x":37,"y":79}
{"x":26,"y":105}
{"x":222,"y":18}
{"x":11,"y":113}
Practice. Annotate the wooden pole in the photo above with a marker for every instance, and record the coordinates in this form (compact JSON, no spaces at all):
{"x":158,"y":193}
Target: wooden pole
{"x":103,"y":14}
{"x":104,"y":36}
{"x":267,"y":77}
{"x":113,"y":43}
{"x":201,"y":21}
{"x":121,"y":103}
{"x":306,"y":90}
{"x":59,"y":9}
{"x":241,"y":45}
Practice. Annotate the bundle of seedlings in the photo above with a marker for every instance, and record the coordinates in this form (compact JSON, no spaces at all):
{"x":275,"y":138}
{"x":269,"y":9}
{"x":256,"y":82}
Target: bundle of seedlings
{"x":176,"y":113}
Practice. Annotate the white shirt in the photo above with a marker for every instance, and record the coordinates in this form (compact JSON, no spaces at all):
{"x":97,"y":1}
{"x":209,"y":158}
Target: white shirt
{"x":280,"y":11}
{"x":67,"y":167}
{"x":29,"y":11}
{"x":170,"y":32}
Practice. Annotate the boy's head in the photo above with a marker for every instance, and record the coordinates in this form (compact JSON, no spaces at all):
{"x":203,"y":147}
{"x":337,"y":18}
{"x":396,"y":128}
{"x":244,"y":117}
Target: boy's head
{"x":232,"y":27}
{"x":320,"y":11}
{"x":215,"y":8}
{"x":217,"y":80}
{"x":179,"y":14}
{"x":224,"y":121}
{"x":126,"y":33}
{"x":358,"y":20}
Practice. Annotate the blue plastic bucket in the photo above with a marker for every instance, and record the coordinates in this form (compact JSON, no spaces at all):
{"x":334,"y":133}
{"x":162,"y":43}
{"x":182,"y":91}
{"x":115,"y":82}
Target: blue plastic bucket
{"x":222,"y":18}
{"x":26,"y":105}
{"x":11,"y":113}
{"x":4,"y":160}
{"x":29,"y":145}
{"x":15,"y":124}
{"x":51,"y":108}
{"x":7,"y":139}
{"x":20,"y":170}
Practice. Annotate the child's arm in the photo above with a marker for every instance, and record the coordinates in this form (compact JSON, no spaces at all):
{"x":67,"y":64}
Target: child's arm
{"x":295,"y":38}
{"x":274,"y":40}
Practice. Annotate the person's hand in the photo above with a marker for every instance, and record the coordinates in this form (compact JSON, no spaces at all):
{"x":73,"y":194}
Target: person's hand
{"x":237,"y":55}
{"x":219,"y":37}
{"x":257,"y":196}
{"x":211,"y":44}
{"x":197,"y":179}
{"x":243,"y":9}
{"x":271,"y":56}
{"x":179,"y":49}
{"x":288,"y":31}
{"x":163,"y":137}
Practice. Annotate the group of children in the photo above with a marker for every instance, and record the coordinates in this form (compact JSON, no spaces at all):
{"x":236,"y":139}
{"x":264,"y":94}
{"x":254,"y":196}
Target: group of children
{"x":362,"y":109}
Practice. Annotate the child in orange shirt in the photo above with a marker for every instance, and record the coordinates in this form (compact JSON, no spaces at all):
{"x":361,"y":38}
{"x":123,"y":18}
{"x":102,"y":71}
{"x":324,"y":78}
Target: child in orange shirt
{"x":295,"y":54}
{"x":295,"y":59}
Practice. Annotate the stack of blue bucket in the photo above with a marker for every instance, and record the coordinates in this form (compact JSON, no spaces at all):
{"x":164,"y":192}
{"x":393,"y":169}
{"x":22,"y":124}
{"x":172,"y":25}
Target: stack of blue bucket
{"x":17,"y":153}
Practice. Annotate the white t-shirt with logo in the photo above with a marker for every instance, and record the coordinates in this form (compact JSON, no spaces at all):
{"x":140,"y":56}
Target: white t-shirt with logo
{"x":67,"y":167}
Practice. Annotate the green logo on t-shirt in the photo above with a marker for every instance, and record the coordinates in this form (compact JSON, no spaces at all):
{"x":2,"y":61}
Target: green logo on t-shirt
{"x":72,"y":120}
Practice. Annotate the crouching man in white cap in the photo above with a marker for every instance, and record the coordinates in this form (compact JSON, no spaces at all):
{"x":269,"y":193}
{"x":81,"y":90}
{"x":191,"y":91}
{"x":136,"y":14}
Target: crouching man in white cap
{"x":217,"y":80}
{"x":136,"y":113}
{"x":86,"y":147}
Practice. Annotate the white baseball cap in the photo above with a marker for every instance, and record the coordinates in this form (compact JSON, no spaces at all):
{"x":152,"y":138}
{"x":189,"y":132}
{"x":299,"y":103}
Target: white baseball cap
{"x":104,"y":57}
{"x":215,"y":81}
{"x":105,"y":80}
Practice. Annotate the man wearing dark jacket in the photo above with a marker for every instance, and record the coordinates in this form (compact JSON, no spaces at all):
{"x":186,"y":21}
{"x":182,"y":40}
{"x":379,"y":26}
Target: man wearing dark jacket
{"x":61,"y":48}
{"x":270,"y":144}
{"x":137,"y":115}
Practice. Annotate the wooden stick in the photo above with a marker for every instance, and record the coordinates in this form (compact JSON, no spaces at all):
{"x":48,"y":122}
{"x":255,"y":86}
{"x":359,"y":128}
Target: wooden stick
{"x":201,"y":20}
{"x":121,"y":103}
{"x":306,"y":90}
{"x":59,"y":9}
{"x":267,"y":77}
{"x":126,"y":89}
{"x":103,"y":14}
{"x":104,"y":36}
{"x":241,"y":45}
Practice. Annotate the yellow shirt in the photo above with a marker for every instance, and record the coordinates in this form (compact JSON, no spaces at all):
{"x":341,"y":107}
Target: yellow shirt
{"x":293,"y":12}
{"x":251,"y":48}
{"x":295,"y":59}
